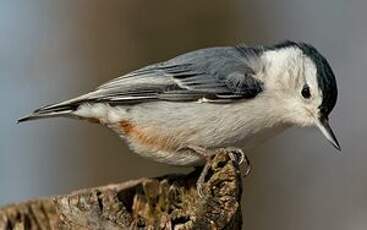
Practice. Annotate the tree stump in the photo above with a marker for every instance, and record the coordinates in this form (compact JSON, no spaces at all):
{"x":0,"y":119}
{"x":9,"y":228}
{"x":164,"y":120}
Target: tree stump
{"x":167,"y":202}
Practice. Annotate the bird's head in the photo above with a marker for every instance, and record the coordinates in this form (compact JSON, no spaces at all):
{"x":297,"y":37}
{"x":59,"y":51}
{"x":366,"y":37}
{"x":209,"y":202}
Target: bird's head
{"x":304,"y":85}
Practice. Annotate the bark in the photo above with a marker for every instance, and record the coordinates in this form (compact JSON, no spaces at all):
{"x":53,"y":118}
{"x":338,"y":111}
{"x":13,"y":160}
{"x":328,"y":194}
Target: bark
{"x":168,"y":202}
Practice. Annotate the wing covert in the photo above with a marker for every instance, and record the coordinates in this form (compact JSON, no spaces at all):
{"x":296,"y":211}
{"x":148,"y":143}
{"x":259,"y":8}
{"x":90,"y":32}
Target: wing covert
{"x":217,"y":75}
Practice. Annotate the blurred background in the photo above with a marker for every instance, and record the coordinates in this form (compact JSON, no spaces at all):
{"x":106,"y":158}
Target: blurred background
{"x":52,"y":50}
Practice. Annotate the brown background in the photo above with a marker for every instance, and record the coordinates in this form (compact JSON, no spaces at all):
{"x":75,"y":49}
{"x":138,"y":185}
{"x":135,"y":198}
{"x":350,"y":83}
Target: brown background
{"x":52,"y":50}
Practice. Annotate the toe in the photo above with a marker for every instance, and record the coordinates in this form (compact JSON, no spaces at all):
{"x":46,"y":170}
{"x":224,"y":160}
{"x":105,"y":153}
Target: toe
{"x":236,"y":155}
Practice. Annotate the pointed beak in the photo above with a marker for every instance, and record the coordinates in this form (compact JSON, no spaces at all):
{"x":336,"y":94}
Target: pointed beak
{"x":324,"y":127}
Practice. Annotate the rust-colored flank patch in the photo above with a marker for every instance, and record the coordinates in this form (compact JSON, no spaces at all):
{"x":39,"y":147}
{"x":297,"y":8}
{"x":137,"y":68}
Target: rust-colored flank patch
{"x":145,"y":137}
{"x":126,"y":127}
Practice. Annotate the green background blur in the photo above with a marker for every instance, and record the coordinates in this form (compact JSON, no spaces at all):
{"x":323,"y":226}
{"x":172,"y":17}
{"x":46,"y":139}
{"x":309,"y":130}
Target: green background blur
{"x":52,"y":50}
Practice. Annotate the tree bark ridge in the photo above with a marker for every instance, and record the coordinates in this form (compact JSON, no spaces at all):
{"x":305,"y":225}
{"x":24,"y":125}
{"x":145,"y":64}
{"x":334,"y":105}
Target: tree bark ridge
{"x":167,"y":202}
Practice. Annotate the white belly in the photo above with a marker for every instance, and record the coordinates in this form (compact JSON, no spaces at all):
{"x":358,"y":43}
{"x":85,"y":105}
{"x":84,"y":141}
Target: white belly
{"x":206,"y":125}
{"x":180,"y":158}
{"x":169,"y":126}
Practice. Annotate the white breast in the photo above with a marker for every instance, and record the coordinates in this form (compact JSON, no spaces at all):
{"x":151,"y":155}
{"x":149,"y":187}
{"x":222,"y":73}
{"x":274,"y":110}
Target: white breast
{"x":243,"y":123}
{"x":211,"y":125}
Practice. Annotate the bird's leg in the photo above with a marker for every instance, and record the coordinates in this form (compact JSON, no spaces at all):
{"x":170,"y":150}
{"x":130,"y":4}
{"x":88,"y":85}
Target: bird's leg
{"x":204,"y":154}
{"x":201,"y":179}
{"x":235,"y":154}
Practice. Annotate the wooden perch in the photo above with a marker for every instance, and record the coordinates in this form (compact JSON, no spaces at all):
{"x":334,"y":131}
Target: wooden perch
{"x":168,"y":202}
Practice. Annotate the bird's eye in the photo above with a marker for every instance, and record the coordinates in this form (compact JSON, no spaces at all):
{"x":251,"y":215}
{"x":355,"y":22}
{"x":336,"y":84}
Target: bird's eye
{"x":306,"y":92}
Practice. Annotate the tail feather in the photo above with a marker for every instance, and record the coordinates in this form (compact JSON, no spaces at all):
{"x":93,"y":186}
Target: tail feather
{"x":55,"y":110}
{"x":48,"y":114}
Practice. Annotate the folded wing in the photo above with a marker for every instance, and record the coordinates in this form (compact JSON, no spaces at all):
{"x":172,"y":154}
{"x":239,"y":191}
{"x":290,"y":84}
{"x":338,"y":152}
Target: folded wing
{"x":213,"y":75}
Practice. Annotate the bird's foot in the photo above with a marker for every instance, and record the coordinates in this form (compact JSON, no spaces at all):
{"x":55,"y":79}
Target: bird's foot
{"x":235,"y":154}
{"x":238,"y":156}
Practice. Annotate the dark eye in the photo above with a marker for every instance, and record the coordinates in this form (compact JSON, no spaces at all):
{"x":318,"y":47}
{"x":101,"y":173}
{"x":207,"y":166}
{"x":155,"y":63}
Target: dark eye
{"x":306,"y":92}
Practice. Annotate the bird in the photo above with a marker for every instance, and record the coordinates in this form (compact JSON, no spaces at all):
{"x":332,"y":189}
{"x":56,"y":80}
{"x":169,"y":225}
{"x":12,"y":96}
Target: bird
{"x":182,"y":110}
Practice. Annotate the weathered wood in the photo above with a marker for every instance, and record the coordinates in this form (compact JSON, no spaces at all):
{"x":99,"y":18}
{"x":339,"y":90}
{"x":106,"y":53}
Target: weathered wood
{"x":168,"y":202}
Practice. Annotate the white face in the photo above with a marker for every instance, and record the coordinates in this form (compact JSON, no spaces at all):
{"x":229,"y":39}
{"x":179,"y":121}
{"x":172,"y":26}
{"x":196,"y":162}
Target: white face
{"x":292,"y":92}
{"x":291,"y":79}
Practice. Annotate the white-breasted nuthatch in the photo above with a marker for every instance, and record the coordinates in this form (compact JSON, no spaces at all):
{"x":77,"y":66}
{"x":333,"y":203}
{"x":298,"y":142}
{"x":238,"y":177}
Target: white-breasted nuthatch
{"x":211,"y":98}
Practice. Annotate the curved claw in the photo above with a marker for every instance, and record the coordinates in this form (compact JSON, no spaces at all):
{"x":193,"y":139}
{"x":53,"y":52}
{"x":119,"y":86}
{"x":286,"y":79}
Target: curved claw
{"x":238,"y":156}
{"x":247,"y":166}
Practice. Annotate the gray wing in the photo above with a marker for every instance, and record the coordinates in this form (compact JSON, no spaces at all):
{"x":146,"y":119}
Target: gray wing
{"x":215,"y":75}
{"x":219,"y":75}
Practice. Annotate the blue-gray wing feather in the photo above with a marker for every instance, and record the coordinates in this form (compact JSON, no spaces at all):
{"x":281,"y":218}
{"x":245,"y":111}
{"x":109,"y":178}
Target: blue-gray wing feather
{"x":220,"y":74}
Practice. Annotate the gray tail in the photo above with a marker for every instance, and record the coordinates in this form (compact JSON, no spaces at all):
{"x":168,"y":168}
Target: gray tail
{"x":62,"y":109}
